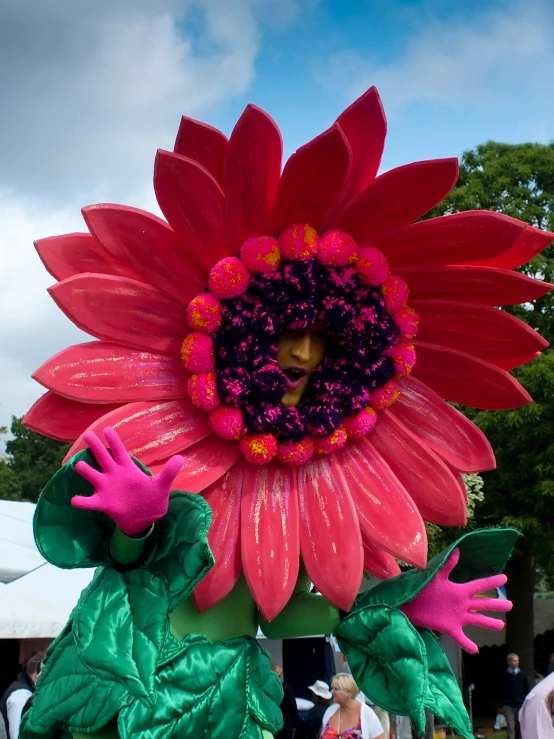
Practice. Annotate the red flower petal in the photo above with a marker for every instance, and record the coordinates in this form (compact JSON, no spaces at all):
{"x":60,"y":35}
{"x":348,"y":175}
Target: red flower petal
{"x":269,"y":535}
{"x":97,"y":372}
{"x":122,"y":310}
{"x":530,"y":243}
{"x":152,"y":431}
{"x":203,"y":144}
{"x":224,"y":498}
{"x":365,"y":126}
{"x":311,"y":180}
{"x":62,"y":419}
{"x":456,"y":239}
{"x":205,"y":463}
{"x":425,"y":476}
{"x":377,"y":562}
{"x":386,"y":513}
{"x":330,"y":539}
{"x":193,"y":203}
{"x":72,"y":254}
{"x":513,"y":362}
{"x":483,"y":285}
{"x":480,"y":330}
{"x":397,"y":198}
{"x":149,"y":246}
{"x":467,"y":380}
{"x":443,"y":429}
{"x":251,"y":175}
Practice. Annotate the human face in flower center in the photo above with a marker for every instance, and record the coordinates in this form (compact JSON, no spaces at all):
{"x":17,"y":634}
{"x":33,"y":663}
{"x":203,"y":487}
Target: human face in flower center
{"x":299,"y":353}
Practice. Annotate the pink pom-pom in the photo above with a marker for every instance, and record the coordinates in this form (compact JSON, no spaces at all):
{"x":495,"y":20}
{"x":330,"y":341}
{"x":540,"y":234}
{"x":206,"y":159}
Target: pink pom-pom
{"x":299,"y":242}
{"x":261,"y":254}
{"x":404,"y":357}
{"x":395,"y":292}
{"x":337,"y":249}
{"x":385,"y":396}
{"x":331,"y":442}
{"x":297,"y":452}
{"x":228,"y":278}
{"x":361,"y":424}
{"x":258,"y":448}
{"x":372,"y":266}
{"x":203,"y":391}
{"x":227,"y":422}
{"x":407,"y":321}
{"x":197,"y":352}
{"x":204,"y":313}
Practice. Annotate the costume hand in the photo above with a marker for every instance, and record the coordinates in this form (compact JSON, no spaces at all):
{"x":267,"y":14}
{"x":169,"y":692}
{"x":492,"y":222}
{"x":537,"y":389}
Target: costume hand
{"x":133,"y":499}
{"x":446,"y":606}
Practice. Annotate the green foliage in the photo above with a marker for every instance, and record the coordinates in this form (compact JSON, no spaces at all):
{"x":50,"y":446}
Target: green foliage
{"x":30,"y":461}
{"x":439,"y":537}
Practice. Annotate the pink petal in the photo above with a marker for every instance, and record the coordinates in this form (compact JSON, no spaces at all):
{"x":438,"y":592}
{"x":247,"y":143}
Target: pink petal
{"x":442,"y":428}
{"x":71,"y":254}
{"x":530,"y":243}
{"x":149,"y":246}
{"x":397,"y":198}
{"x":365,"y":127}
{"x":205,"y":463}
{"x":431,"y":485}
{"x":455,"y":239}
{"x":251,"y":175}
{"x":467,"y":380}
{"x":377,"y":562}
{"x":479,"y":330}
{"x":193,"y":203}
{"x":513,"y":362}
{"x":203,"y":144}
{"x":62,"y":419}
{"x":311,"y":180}
{"x":97,"y":372}
{"x":483,"y":285}
{"x":386,"y":513}
{"x":152,"y":431}
{"x":122,"y":310}
{"x":270,"y":541}
{"x":224,"y":498}
{"x":330,"y":538}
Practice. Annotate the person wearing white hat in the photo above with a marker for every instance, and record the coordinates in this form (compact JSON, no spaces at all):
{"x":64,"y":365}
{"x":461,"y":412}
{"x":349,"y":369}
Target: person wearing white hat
{"x":321,"y":697}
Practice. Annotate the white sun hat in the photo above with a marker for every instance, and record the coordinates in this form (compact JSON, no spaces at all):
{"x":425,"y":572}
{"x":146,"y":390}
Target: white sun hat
{"x":321,"y":688}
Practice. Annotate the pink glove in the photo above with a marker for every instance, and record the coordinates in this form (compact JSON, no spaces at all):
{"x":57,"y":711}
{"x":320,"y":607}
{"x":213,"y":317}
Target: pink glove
{"x":447,"y":606}
{"x":122,"y":491}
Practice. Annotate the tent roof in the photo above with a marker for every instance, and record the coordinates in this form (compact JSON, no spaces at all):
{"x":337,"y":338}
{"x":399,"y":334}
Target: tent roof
{"x":18,"y":552}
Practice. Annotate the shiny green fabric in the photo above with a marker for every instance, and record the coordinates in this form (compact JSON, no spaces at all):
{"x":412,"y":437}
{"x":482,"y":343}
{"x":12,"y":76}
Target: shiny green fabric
{"x":403,"y":669}
{"x":125,"y":663}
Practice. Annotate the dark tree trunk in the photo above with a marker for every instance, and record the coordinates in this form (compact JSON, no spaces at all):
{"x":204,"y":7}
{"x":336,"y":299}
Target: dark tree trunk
{"x":519,"y":621}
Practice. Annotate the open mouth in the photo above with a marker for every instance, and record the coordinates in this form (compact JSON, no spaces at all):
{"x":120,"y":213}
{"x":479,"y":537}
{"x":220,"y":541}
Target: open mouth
{"x":295,"y":376}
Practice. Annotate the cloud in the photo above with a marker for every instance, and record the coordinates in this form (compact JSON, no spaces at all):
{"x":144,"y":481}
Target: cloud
{"x":493,"y":58}
{"x":89,"y":91}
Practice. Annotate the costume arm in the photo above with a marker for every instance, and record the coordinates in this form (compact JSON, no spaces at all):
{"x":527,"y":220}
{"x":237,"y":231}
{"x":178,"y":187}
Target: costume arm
{"x":306,"y":614}
{"x":127,"y":549}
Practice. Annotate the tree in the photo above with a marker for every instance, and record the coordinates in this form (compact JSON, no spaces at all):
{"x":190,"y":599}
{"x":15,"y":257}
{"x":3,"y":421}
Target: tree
{"x":30,"y":461}
{"x":518,"y":180}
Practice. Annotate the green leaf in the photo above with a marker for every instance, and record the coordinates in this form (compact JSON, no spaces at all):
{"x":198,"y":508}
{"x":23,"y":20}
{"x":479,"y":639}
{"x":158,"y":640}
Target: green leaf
{"x":482,"y":553}
{"x":120,"y":628}
{"x":201,"y":694}
{"x":388,"y":659}
{"x":443,"y":697}
{"x":70,"y":696}
{"x":179,"y":552}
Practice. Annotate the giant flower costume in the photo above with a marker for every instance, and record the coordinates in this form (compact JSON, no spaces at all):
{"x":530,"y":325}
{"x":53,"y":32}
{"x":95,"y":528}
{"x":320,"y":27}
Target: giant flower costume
{"x":188,"y":316}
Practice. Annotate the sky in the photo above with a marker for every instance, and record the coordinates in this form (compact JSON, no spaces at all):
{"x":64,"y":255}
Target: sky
{"x":89,"y":89}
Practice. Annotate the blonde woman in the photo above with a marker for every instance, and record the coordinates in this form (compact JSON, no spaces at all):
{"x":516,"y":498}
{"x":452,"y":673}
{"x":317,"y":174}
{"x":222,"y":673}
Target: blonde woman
{"x":347,"y":718}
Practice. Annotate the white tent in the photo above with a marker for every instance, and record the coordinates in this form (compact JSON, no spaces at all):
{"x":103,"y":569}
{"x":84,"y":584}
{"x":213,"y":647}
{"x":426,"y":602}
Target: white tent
{"x":18,"y":552}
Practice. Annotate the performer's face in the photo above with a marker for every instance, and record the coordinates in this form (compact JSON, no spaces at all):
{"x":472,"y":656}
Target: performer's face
{"x":299,"y":353}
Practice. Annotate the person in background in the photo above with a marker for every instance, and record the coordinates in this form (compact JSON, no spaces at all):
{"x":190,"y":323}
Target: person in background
{"x":18,"y":693}
{"x":291,"y":720}
{"x":535,"y":716}
{"x":347,"y":718}
{"x":513,"y":690}
{"x":311,"y":724}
